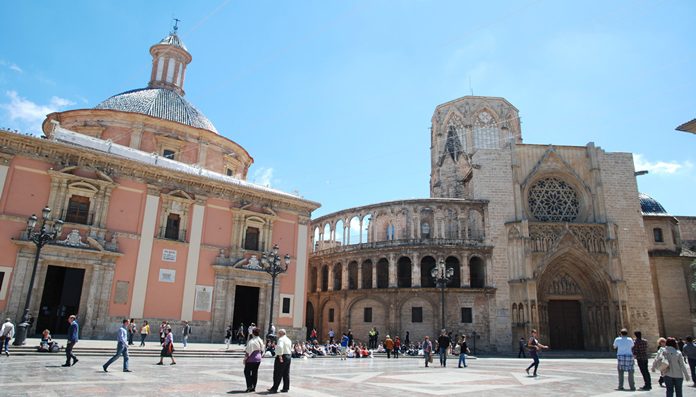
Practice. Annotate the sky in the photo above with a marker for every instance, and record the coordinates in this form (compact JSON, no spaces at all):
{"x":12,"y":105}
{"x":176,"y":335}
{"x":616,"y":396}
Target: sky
{"x":333,"y":99}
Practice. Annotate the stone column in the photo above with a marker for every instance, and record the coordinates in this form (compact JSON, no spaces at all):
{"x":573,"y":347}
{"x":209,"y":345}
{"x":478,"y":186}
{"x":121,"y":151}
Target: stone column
{"x":392,"y":271}
{"x":415,"y":271}
{"x":360,"y":275}
{"x":374,"y":274}
{"x":319,"y":273}
{"x":465,"y":273}
{"x":344,"y":277}
{"x":331,"y":278}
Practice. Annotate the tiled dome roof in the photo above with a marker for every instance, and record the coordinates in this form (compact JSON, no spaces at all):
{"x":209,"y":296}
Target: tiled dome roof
{"x":173,"y":39}
{"x":161,"y":103}
{"x":650,"y":206}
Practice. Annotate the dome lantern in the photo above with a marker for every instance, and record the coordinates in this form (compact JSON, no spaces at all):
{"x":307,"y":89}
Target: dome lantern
{"x":169,"y":60}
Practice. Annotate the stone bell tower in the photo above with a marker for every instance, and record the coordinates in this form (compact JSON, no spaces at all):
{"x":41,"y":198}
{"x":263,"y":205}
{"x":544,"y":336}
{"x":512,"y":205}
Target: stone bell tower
{"x":460,"y":129}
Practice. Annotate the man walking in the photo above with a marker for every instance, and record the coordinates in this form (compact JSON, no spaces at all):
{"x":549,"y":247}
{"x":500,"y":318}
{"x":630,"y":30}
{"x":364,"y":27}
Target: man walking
{"x":640,"y":352}
{"x":388,"y":346}
{"x":523,"y":345}
{"x":690,"y":355}
{"x":344,"y":346}
{"x":73,"y":332}
{"x":281,"y":366}
{"x":443,"y":344}
{"x":6,"y":333}
{"x":624,"y":355}
{"x":121,"y":347}
{"x":186,"y":331}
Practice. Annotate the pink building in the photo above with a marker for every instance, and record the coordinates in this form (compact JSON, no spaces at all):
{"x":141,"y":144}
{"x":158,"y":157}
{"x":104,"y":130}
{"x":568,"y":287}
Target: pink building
{"x":160,"y":223}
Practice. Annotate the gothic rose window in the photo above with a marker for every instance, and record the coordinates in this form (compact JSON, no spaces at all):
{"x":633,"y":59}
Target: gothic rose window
{"x":553,"y":200}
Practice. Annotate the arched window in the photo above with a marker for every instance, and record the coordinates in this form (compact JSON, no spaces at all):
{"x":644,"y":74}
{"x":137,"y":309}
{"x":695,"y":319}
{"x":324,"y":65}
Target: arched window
{"x":251,"y":238}
{"x":657,"y":235}
{"x":172,"y":229}
{"x":78,"y":210}
{"x":353,"y":275}
{"x":313,"y":280}
{"x":324,"y":278}
{"x":486,"y":134}
{"x":366,"y":269}
{"x":427,"y":265}
{"x":477,"y":272}
{"x":403,"y":271}
{"x":390,"y":232}
{"x":453,"y":263}
{"x":338,"y":277}
{"x":425,"y":230}
{"x":383,"y":273}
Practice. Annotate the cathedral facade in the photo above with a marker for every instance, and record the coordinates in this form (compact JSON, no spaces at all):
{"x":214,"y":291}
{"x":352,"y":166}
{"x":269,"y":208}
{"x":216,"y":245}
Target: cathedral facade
{"x":545,"y":237}
{"x":160,"y":222}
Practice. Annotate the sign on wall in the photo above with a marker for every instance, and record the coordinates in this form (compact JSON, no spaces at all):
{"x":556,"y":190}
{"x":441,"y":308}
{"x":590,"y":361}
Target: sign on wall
{"x":169,"y":255}
{"x":204,"y":298}
{"x":167,"y":275}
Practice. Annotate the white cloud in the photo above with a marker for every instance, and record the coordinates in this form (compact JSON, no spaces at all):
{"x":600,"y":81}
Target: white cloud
{"x":263,"y":176}
{"x":11,"y":66}
{"x":27,"y":114}
{"x":659,"y":167}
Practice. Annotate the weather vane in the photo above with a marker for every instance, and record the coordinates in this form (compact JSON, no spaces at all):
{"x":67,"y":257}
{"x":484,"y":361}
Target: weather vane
{"x":176,"y":24}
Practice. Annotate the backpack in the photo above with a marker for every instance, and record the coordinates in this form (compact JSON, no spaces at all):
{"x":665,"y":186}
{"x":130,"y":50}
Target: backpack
{"x":662,"y":362}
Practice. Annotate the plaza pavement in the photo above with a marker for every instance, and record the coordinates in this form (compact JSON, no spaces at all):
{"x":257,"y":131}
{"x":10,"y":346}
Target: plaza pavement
{"x":42,"y":375}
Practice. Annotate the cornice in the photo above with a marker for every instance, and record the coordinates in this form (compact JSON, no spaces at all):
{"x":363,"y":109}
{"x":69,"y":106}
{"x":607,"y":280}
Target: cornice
{"x":117,"y":167}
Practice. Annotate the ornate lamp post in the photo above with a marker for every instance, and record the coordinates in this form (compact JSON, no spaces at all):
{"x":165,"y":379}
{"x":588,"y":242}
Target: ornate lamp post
{"x":274,"y":265}
{"x":40,"y":237}
{"x":442,"y":275}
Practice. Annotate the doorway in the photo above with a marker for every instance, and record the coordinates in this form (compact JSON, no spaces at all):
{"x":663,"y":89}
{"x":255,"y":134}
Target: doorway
{"x":565,"y":325}
{"x":61,"y":298}
{"x":246,"y":307}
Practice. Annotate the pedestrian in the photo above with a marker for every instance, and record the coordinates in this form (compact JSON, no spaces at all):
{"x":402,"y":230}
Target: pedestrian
{"x":144,"y":332}
{"x":313,"y":335}
{"x":397,"y":346}
{"x":249,"y":335}
{"x":443,"y":344}
{"x":252,"y":360}
{"x":332,"y":335}
{"x":163,"y":326}
{"x":350,"y":337}
{"x":670,"y":362}
{"x":121,"y":347}
{"x":371,"y":342}
{"x":427,"y":350}
{"x":640,"y":352}
{"x":185,"y":332}
{"x":240,"y":334}
{"x":131,"y":331}
{"x":281,"y":366}
{"x":661,"y":344}
{"x":388,"y":346}
{"x":463,"y":351}
{"x":167,"y":347}
{"x":6,"y":333}
{"x":228,"y":336}
{"x":534,"y":348}
{"x":624,"y":355}
{"x":73,"y":332}
{"x":344,"y":346}
{"x":407,"y":340}
{"x":690,"y":354}
{"x":522,"y":343}
{"x":273,"y":329}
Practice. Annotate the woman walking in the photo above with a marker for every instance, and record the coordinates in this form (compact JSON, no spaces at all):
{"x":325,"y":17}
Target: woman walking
{"x":534,"y":347}
{"x":427,"y":350}
{"x":167,"y":346}
{"x":144,"y":332}
{"x":252,"y":360}
{"x":675,"y":372}
{"x":463,"y":351}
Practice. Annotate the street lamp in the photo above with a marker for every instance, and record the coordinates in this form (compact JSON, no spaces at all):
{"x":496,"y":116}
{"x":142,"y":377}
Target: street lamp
{"x":40,"y":237}
{"x":274,"y":265}
{"x":441,"y":275}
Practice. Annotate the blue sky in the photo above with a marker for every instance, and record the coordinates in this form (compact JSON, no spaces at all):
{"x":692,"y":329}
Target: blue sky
{"x":333,"y":99}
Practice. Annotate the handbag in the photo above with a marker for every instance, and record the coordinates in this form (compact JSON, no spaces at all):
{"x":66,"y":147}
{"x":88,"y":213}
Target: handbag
{"x":430,"y":358}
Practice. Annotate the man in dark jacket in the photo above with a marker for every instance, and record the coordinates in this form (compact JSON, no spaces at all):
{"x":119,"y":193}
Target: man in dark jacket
{"x":443,"y":344}
{"x":73,"y":332}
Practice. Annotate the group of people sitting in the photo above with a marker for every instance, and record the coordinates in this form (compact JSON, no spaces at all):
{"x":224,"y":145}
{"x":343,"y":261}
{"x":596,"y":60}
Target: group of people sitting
{"x":311,"y":349}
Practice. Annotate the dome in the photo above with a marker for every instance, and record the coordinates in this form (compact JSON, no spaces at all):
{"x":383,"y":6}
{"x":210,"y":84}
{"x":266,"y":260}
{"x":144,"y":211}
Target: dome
{"x":650,"y":206}
{"x":161,"y":103}
{"x":174,"y":40}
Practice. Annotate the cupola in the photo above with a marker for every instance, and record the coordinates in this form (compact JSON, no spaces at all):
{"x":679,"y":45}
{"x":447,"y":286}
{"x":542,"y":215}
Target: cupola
{"x":169,"y":61}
